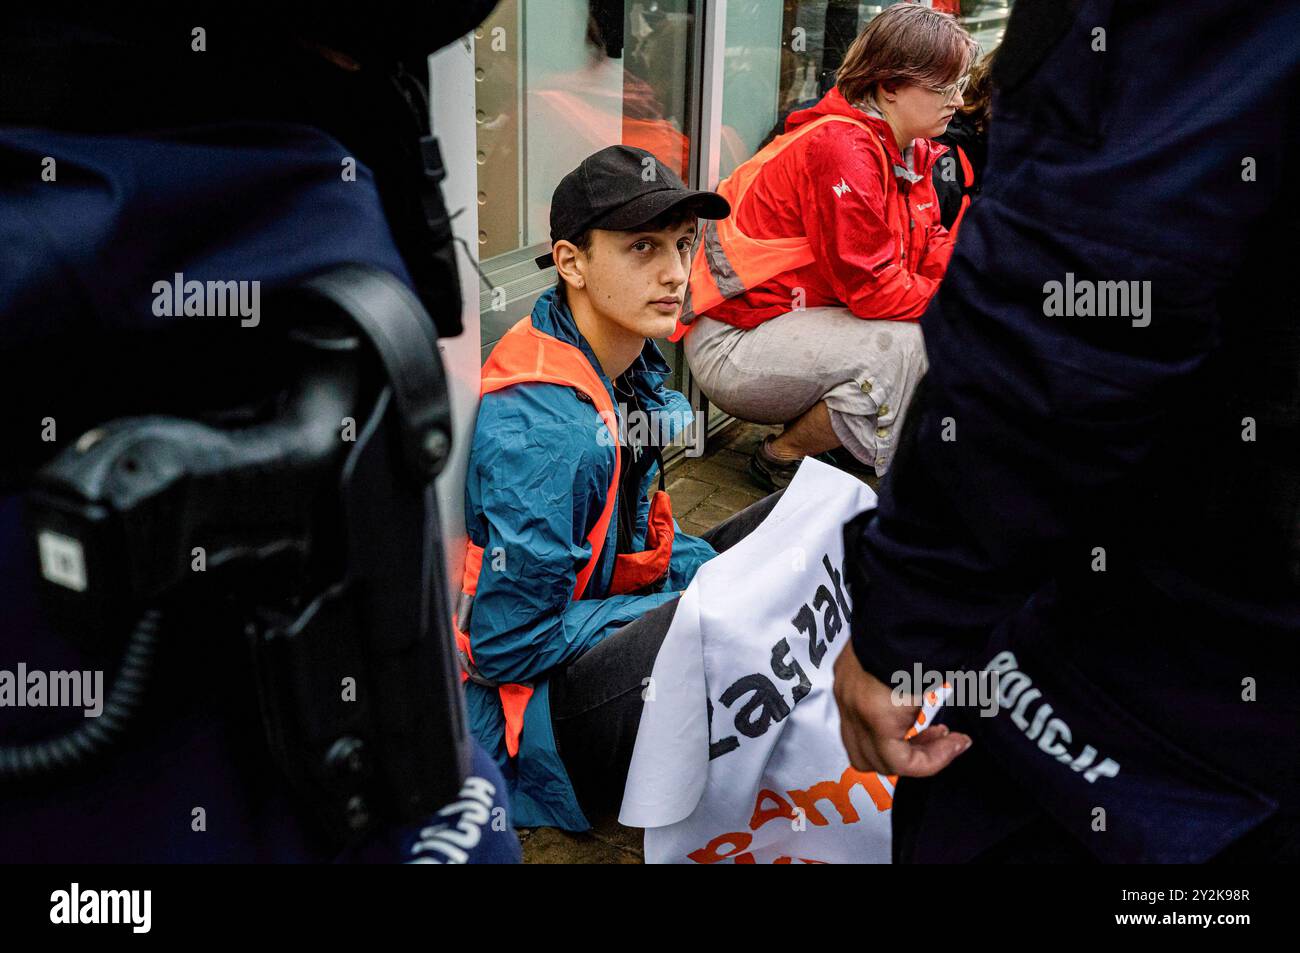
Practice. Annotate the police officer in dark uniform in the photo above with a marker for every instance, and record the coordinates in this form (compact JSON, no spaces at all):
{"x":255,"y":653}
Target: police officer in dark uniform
{"x":245,"y":146}
{"x":1098,"y":497}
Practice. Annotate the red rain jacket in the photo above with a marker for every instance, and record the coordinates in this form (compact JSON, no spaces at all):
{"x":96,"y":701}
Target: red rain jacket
{"x":856,"y":231}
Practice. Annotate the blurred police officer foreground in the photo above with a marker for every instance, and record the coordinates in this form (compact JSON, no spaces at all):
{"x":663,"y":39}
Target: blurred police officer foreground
{"x":1105,"y":501}
{"x":140,"y":142}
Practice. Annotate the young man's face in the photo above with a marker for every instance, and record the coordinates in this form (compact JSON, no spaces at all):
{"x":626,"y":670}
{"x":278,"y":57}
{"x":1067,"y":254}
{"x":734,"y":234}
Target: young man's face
{"x":637,"y":279}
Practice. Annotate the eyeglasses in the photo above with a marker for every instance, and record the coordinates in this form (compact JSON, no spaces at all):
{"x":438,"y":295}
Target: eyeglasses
{"x":952,"y":90}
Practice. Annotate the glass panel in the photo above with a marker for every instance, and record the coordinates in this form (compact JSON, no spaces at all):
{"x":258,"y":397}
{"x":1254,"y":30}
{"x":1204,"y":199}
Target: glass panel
{"x":986,"y":20}
{"x":782,"y":56}
{"x":556,"y":81}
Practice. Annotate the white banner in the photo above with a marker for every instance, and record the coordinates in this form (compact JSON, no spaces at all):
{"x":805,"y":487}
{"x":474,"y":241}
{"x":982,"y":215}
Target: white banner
{"x":738,"y":757}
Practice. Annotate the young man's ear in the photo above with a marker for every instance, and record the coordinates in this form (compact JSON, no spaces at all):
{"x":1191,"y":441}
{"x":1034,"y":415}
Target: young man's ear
{"x":570,"y":263}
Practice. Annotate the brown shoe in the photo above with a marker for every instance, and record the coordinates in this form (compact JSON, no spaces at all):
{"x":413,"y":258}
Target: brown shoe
{"x":770,"y":472}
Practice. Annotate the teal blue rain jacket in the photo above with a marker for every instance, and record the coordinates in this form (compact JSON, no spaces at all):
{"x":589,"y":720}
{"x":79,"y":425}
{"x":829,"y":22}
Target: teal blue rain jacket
{"x":537,"y":481}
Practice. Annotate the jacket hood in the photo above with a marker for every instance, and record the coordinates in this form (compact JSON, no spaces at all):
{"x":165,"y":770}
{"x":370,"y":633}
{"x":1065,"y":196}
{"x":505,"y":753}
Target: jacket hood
{"x":925,"y":151}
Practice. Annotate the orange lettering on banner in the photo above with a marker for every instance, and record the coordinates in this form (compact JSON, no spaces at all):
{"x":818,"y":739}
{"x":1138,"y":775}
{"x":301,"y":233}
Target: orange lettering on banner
{"x":703,"y":857}
{"x":835,"y":792}
{"x":711,"y":854}
{"x":769,"y":805}
{"x":871,"y":781}
{"x":780,"y":808}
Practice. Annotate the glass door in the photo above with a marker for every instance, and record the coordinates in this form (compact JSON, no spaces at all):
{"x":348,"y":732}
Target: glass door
{"x":556,"y":80}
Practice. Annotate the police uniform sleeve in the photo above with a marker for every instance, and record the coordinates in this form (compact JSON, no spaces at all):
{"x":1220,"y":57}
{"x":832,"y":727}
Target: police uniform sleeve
{"x":1030,"y":442}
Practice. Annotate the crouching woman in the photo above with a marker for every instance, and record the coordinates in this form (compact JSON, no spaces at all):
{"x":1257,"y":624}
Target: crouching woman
{"x":804,"y":304}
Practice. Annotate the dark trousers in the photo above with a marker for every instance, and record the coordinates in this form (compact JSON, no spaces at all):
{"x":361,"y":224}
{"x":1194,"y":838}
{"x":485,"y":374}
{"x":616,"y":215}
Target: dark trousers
{"x":596,"y":699}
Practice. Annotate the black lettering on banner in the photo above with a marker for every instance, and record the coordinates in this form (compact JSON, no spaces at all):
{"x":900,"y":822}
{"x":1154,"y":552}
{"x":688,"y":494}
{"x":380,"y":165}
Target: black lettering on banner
{"x":806,"y":623}
{"x":831,"y":623}
{"x":786,"y":671}
{"x":766,"y":706}
{"x":839,"y":589}
{"x":723,"y":745}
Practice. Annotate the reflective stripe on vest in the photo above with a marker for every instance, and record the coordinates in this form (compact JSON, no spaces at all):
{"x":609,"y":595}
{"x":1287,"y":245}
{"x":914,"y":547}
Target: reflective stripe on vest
{"x":525,"y":355}
{"x":728,"y":262}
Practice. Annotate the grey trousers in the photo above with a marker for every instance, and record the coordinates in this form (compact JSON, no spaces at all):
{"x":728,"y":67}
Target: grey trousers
{"x":866,"y":371}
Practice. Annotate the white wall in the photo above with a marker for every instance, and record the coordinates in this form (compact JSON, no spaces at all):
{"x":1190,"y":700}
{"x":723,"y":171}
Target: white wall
{"x":451,"y":73}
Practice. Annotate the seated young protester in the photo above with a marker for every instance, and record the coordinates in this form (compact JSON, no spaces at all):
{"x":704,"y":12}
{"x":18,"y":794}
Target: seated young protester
{"x":804,"y":304}
{"x":572,"y":574}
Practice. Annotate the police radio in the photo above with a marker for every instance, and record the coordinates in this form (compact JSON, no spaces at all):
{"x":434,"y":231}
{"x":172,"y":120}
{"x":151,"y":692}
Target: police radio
{"x":326,"y":540}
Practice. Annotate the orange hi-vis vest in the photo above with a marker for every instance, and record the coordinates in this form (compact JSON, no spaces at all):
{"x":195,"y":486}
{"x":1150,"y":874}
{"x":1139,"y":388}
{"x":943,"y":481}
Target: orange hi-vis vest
{"x":525,"y":354}
{"x":728,"y":262}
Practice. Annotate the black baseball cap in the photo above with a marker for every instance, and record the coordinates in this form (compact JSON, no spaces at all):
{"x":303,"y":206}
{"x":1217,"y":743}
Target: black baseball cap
{"x":621,"y":188}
